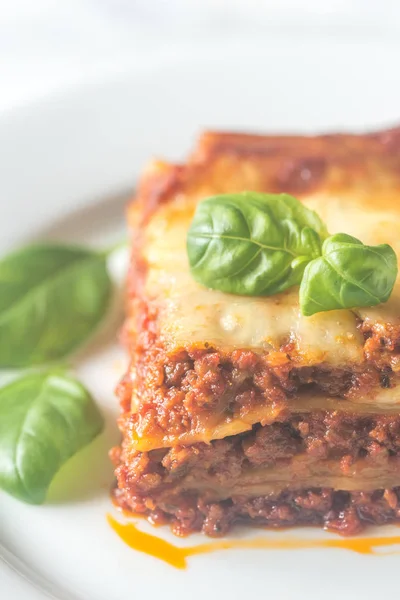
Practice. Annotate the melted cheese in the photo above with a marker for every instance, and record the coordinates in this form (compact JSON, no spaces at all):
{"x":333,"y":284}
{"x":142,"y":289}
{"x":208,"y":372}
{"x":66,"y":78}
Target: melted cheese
{"x":192,"y":314}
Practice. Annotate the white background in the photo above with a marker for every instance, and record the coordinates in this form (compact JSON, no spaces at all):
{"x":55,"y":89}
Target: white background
{"x":47,"y":45}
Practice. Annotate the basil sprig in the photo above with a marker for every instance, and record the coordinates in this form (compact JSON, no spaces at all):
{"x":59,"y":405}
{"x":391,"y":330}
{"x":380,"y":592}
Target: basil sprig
{"x":253,"y":244}
{"x":51,"y":298}
{"x":348,"y":274}
{"x":261,"y":244}
{"x":45,"y":418}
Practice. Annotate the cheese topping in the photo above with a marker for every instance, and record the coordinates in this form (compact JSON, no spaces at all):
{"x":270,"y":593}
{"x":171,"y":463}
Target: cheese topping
{"x":192,"y":314}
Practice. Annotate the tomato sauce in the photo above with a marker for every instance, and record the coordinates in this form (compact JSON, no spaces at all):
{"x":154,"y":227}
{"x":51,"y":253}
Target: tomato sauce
{"x":177,"y":556}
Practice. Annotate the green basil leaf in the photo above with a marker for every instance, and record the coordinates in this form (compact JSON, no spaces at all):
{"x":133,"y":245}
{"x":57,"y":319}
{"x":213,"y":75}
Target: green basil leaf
{"x":348,"y":275}
{"x":251,"y":243}
{"x":45,"y":418}
{"x":51,"y":298}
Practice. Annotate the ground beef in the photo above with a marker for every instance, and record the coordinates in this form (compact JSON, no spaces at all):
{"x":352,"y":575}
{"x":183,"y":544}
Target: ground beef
{"x":145,"y":478}
{"x":382,"y":345}
{"x":346,"y":513}
{"x":322,"y":435}
{"x":177,"y":391}
{"x":270,"y":443}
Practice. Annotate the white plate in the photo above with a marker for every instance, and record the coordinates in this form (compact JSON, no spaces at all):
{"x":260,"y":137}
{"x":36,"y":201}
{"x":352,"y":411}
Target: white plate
{"x":91,"y":143}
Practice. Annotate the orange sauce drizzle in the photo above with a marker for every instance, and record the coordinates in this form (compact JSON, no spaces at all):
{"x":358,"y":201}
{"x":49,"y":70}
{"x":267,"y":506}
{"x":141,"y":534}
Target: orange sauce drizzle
{"x":177,"y":557}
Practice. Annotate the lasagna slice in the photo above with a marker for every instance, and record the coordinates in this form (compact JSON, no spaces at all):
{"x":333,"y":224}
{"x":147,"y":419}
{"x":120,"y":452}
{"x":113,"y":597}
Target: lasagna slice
{"x":240,"y":409}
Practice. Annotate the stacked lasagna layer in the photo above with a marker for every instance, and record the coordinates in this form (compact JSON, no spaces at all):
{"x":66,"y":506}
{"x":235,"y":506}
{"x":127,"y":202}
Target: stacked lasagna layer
{"x":240,"y":408}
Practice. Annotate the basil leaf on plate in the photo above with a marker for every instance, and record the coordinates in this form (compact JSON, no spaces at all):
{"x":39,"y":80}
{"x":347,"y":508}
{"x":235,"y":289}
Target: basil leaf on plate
{"x":51,"y":298}
{"x":251,"y":243}
{"x":348,"y":275}
{"x":45,"y":418}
